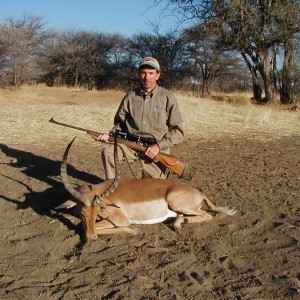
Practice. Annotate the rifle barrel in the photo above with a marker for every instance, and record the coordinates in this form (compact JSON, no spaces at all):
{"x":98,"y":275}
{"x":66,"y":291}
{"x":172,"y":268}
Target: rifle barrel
{"x":67,"y":125}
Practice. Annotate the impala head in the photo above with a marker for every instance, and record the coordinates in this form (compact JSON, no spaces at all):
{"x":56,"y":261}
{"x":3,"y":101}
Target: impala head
{"x":88,"y":202}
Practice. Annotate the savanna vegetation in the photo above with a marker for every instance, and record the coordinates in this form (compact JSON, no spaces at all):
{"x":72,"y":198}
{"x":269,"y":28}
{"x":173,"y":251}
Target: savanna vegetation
{"x":225,"y":46}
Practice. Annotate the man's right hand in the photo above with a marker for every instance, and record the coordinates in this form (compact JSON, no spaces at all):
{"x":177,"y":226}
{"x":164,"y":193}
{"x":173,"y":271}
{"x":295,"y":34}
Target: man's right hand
{"x":103,"y":137}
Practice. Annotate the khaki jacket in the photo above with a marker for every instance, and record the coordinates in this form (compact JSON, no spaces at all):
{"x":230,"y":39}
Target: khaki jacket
{"x":156,"y":114}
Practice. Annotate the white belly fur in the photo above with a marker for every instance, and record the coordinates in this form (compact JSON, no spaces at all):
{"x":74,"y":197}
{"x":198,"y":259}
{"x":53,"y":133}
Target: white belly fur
{"x":169,"y":214}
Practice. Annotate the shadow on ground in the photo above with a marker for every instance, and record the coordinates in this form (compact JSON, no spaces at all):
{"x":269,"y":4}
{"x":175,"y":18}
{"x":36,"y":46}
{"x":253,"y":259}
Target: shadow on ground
{"x":45,"y":170}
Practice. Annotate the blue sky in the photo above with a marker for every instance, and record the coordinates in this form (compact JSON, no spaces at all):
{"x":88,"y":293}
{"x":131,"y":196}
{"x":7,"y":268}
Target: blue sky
{"x":106,"y":16}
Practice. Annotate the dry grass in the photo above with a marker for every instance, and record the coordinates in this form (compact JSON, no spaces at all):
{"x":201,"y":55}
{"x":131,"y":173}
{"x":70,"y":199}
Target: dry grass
{"x":208,"y":118}
{"x":25,"y":114}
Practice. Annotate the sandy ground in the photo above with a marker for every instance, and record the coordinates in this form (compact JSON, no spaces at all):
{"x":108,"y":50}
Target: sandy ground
{"x":253,"y":255}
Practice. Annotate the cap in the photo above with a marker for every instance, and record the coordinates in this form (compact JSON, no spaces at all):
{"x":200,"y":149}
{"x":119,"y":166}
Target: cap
{"x":150,"y":61}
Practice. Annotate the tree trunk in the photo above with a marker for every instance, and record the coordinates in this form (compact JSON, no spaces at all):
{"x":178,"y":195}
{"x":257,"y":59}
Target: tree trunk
{"x":256,"y":89}
{"x":266,"y":72}
{"x":255,"y":84}
{"x":202,"y":88}
{"x":286,"y":92}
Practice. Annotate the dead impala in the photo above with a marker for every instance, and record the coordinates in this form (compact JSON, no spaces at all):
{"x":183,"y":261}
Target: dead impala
{"x":111,"y":206}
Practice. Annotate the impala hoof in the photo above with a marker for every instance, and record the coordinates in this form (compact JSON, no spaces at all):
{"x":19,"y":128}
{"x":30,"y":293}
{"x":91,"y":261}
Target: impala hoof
{"x":91,"y":237}
{"x":137,"y":231}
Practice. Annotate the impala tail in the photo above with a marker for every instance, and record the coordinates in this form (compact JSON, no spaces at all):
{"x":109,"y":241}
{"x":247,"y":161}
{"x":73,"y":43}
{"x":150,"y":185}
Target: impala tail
{"x":225,"y":210}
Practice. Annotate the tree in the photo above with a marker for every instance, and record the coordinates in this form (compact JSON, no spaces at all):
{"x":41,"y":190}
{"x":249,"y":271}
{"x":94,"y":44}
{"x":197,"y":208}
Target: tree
{"x":22,"y":44}
{"x":251,"y":27}
{"x":120,"y":65}
{"x":80,"y":58}
{"x":69,"y":58}
{"x":209,"y":61}
{"x":290,"y":40}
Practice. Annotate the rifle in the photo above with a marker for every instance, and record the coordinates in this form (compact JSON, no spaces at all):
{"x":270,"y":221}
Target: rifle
{"x":138,"y":144}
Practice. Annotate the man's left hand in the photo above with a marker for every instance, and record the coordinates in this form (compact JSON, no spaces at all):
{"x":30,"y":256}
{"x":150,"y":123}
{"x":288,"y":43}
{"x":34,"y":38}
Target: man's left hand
{"x":152,"y":150}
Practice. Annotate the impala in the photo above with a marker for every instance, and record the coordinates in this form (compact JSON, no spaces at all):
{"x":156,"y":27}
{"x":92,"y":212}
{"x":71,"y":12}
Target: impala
{"x":113,"y":205}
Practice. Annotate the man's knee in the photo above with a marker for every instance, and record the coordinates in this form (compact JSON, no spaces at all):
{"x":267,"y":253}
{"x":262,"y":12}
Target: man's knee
{"x":108,"y":150}
{"x":107,"y":153}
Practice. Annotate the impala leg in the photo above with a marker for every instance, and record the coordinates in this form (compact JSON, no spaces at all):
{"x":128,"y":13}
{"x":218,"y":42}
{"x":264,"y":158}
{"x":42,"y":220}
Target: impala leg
{"x":106,"y":227}
{"x":202,"y":216}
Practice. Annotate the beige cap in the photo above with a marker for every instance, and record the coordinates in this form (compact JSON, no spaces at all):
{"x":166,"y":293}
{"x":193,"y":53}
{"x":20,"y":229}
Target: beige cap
{"x":150,"y":61}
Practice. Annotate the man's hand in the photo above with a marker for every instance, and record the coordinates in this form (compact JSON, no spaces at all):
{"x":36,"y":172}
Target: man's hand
{"x":103,"y":137}
{"x":152,"y":150}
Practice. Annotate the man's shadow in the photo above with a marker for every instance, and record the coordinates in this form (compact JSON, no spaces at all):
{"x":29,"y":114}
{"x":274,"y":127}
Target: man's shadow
{"x":47,"y":171}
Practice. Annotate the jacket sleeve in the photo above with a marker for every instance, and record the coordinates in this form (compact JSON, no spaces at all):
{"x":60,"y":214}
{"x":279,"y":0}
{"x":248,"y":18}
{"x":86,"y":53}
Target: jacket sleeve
{"x":175,"y":134}
{"x":121,"y":115}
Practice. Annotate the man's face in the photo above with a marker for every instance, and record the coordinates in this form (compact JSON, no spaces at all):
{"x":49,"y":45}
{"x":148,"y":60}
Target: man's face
{"x":148,"y":78}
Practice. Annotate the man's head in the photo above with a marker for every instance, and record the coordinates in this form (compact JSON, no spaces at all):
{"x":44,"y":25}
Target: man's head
{"x":149,"y":73}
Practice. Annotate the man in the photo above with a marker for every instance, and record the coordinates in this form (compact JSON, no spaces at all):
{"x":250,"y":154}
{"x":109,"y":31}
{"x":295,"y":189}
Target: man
{"x":148,"y":111}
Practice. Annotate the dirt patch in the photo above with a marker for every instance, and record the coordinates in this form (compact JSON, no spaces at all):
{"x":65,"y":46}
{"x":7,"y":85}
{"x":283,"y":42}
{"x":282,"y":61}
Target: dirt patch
{"x":254,"y":255}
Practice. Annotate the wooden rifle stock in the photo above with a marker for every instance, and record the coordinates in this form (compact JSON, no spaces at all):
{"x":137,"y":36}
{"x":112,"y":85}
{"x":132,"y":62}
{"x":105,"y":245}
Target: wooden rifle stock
{"x":171,"y":162}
